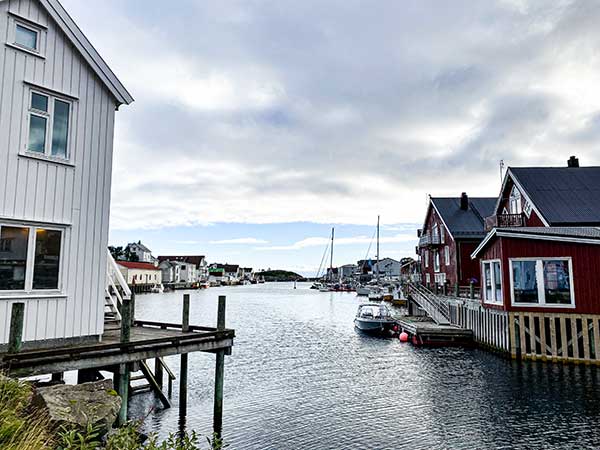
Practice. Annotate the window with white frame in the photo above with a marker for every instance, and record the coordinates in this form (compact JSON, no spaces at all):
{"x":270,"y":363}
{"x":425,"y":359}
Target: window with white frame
{"x":435,"y":232}
{"x":436,"y":261}
{"x":492,"y":281}
{"x":542,"y":281}
{"x":447,"y":255}
{"x":427,"y":278}
{"x":514,"y":201}
{"x":27,"y":36}
{"x":48,"y":125}
{"x":426,"y":257}
{"x":29,"y":258}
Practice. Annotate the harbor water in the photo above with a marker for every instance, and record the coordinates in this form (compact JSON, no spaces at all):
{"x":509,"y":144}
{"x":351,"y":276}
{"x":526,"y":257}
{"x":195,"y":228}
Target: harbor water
{"x":301,"y":377}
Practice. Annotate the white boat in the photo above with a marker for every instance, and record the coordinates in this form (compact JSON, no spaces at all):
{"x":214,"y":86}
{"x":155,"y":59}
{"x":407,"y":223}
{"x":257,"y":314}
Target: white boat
{"x":363,"y":291}
{"x":375,"y":294}
{"x":374,"y":318}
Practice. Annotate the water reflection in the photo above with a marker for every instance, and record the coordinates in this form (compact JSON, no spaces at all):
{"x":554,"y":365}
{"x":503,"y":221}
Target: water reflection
{"x":301,"y":377}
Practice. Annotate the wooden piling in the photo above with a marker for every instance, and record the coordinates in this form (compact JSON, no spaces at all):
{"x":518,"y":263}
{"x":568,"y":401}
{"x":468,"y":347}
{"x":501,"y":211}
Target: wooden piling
{"x":122,"y":376}
{"x":183,"y":368}
{"x":15,"y":337}
{"x":158,"y":371}
{"x":219,"y":373}
{"x":471,"y":290}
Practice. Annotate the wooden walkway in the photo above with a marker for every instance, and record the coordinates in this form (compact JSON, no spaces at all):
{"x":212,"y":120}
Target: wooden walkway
{"x":148,"y":340}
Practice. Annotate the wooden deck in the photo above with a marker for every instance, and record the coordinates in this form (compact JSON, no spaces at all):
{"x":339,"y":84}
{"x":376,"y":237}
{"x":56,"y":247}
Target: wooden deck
{"x":148,"y":340}
{"x":424,"y":331}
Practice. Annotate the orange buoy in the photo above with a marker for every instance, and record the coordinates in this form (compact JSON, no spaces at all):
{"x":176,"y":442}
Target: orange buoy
{"x":403,"y":337}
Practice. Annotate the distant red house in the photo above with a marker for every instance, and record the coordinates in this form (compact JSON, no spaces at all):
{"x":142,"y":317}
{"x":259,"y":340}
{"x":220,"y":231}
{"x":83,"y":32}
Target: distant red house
{"x":452,"y":229}
{"x":542,"y":252}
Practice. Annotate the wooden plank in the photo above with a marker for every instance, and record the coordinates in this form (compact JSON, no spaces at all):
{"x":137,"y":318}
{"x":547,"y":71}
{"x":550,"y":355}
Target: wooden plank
{"x":522,"y":334}
{"x":563,"y":337}
{"x":542,"y":322}
{"x":532,"y":335}
{"x":553,"y":341}
{"x":586,"y":338}
{"x":574,"y":339}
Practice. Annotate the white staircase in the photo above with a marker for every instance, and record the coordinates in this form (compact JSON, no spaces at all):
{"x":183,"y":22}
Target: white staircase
{"x":435,"y":307}
{"x":115,"y":291}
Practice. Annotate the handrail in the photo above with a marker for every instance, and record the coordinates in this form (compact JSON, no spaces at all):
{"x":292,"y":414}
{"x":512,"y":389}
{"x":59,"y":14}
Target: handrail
{"x":437,"y":309}
{"x":114,"y":273}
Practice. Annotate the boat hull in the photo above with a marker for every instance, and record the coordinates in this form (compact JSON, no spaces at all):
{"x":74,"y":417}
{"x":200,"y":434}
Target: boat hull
{"x":375,"y":326}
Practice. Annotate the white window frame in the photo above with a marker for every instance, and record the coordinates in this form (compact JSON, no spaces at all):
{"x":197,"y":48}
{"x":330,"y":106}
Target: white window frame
{"x":516,"y":199}
{"x":426,"y":258}
{"x":30,"y":263}
{"x":49,"y":116}
{"x":539,"y":274}
{"x":40,"y":29}
{"x":36,"y":30}
{"x":447,"y":255}
{"x":427,"y":278}
{"x":436,"y":261}
{"x":493,"y":300}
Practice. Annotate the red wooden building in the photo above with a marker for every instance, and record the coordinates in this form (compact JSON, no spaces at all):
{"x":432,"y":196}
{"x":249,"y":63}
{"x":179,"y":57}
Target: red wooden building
{"x":453,"y":228}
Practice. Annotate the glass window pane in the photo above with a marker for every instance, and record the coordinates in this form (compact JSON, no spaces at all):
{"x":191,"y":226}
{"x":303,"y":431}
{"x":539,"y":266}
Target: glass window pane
{"x":487,"y":277}
{"x":13,"y":257}
{"x":37,"y":134}
{"x":60,"y":129}
{"x":39,"y":102}
{"x":497,"y":281}
{"x":47,"y":258}
{"x":26,"y":37}
{"x":524,"y":282}
{"x":557,"y":282}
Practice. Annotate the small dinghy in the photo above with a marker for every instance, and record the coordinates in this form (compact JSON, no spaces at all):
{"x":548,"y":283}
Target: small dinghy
{"x":375,"y":318}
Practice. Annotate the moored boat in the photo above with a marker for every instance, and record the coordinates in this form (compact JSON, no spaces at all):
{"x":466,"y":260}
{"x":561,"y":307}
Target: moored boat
{"x":375,"y":318}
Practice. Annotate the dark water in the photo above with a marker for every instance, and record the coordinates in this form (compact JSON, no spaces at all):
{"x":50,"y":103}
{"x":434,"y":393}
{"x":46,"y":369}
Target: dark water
{"x":301,"y":377}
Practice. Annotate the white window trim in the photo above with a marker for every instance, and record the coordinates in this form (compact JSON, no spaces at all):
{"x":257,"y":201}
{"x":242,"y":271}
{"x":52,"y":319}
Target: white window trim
{"x":426,"y":258}
{"x":517,"y":197}
{"x":494,"y":300}
{"x":447,"y":255}
{"x":41,"y":30}
{"x":29,"y":265}
{"x":437,"y":261}
{"x":539,"y":273}
{"x":49,"y":116}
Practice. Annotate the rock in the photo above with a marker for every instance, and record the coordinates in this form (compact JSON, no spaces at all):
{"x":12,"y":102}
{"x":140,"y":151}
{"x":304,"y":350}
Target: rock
{"x":74,"y":406}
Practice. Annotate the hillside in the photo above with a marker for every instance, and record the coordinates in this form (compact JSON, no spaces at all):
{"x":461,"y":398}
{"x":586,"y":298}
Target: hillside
{"x":279,"y":275}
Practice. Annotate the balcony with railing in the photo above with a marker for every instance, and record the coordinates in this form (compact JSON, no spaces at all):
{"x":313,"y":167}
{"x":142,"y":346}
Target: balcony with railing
{"x":427,"y":240}
{"x":504,"y":221}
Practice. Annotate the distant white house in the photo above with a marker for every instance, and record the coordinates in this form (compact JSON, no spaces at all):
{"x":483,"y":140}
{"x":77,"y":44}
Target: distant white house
{"x":143,"y":253}
{"x":347,"y":271}
{"x":197,"y":270}
{"x":136,"y":273}
{"x":57,"y":117}
{"x":170,"y":272}
{"x":388,"y":267}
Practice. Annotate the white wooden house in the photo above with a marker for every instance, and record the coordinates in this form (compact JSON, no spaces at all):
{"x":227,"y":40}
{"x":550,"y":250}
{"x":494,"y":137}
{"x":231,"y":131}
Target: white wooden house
{"x":140,"y":273}
{"x":57,"y":107}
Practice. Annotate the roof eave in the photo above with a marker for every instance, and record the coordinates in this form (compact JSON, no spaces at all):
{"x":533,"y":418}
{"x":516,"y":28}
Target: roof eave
{"x":87,"y":50}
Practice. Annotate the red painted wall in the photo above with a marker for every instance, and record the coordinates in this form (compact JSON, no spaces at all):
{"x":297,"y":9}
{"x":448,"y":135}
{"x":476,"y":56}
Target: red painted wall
{"x":585,"y":279}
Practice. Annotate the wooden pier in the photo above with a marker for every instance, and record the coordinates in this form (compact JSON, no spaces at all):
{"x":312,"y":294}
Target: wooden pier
{"x":424,"y":331}
{"x":127,"y":349}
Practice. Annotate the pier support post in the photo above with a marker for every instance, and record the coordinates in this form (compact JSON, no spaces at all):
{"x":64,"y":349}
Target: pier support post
{"x":183,"y":368}
{"x":15,"y":337}
{"x":471,"y":290}
{"x":219,"y":374}
{"x":132,"y":309}
{"x":445,"y":289}
{"x":122,"y":377}
{"x":158,"y":372}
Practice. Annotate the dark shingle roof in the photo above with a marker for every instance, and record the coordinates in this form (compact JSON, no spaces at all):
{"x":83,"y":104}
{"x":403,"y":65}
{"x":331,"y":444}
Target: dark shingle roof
{"x":572,"y":232}
{"x":461,"y":223}
{"x":564,"y":195}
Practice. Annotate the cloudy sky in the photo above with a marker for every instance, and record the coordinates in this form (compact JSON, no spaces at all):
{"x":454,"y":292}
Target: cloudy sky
{"x":259,"y":124}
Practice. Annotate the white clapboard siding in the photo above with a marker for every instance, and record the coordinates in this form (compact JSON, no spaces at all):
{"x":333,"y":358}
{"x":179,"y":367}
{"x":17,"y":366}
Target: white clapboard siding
{"x":77,"y":196}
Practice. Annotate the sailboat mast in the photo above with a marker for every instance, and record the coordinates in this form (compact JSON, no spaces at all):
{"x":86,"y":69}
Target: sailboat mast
{"x":331,"y":254}
{"x":377,"y":248}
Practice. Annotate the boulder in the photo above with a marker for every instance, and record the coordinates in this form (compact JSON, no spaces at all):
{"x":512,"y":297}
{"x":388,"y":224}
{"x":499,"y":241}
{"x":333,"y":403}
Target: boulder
{"x":74,"y":406}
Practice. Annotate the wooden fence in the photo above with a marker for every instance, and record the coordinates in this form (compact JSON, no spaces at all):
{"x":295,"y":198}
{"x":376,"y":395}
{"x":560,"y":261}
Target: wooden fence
{"x":489,"y":326}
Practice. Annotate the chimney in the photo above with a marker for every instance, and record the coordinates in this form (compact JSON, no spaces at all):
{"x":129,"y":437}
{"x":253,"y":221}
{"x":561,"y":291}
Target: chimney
{"x":573,"y":162}
{"x":464,"y":201}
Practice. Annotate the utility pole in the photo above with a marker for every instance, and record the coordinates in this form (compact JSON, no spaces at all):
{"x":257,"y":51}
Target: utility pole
{"x":377,"y":248}
{"x":501,"y":171}
{"x":331,"y":255}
